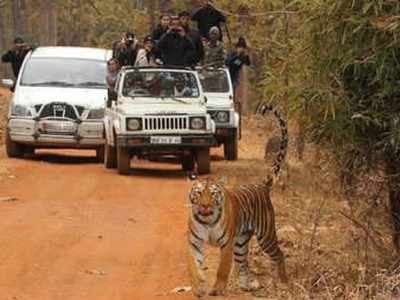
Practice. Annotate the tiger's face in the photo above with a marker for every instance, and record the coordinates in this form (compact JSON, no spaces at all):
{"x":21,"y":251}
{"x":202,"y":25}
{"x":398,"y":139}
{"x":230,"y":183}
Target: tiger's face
{"x":207,"y":199}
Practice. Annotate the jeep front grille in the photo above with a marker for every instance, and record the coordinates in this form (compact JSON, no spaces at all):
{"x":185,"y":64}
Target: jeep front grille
{"x":166,"y":123}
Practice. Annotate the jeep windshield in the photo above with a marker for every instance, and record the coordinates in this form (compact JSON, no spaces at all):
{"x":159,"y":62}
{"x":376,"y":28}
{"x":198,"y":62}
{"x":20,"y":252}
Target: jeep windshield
{"x":160,"y":84}
{"x":65,"y":72}
{"x":214,"y":81}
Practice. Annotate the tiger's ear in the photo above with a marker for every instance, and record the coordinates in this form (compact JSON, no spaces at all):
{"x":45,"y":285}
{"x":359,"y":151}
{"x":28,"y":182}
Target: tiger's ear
{"x":223,"y":180}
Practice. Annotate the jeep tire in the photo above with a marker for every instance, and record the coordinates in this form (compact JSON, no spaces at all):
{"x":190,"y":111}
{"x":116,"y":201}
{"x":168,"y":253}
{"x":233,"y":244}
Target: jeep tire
{"x":110,"y":156}
{"x":203,"y":161}
{"x":123,"y":161}
{"x":188,"y":163}
{"x":13,"y":149}
{"x":231,"y":147}
{"x":100,"y":154}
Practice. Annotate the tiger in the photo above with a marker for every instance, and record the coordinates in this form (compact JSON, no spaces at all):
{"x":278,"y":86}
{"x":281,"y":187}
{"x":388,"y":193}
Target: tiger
{"x":228,"y":218}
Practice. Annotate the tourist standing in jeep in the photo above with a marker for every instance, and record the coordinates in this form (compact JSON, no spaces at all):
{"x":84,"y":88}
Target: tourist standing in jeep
{"x":175,"y":48}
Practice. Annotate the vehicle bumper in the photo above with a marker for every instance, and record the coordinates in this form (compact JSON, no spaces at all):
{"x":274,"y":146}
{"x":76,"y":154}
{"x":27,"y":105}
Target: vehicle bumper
{"x":88,"y":134}
{"x":188,"y":141}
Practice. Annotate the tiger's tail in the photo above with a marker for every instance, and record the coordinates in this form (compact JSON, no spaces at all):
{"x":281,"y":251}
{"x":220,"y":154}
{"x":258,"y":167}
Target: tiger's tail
{"x":277,"y":167}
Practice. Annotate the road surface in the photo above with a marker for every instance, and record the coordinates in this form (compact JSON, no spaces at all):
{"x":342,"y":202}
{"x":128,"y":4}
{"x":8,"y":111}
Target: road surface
{"x":78,"y":231}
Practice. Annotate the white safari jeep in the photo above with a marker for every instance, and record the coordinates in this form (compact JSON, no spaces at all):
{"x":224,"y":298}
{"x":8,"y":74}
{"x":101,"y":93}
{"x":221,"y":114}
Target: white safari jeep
{"x":158,"y":112}
{"x":218,"y":89}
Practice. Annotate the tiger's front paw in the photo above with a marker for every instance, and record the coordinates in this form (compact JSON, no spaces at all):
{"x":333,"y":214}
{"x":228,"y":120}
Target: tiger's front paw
{"x":200,"y":291}
{"x":216,"y":291}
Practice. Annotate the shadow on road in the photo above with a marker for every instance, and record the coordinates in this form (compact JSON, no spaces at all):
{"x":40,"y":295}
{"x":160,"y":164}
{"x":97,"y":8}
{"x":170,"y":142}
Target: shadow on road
{"x":63,"y":158}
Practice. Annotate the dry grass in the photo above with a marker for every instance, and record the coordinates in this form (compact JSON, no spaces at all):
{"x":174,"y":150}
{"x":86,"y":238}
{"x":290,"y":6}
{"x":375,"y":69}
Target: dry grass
{"x":336,"y":247}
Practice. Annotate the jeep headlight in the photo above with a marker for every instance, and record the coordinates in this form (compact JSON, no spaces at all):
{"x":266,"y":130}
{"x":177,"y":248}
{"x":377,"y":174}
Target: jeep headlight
{"x":134,"y":124}
{"x":20,"y":111}
{"x":97,"y":113}
{"x":222,"y":116}
{"x":197,"y":123}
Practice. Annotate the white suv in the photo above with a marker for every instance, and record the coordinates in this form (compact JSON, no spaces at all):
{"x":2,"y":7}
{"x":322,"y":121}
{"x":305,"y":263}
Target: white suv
{"x":59,"y":101}
{"x":218,"y":89}
{"x":158,"y":112}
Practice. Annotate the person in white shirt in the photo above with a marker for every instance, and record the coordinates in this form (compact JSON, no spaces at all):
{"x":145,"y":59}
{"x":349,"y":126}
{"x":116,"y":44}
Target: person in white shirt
{"x":146,"y":57}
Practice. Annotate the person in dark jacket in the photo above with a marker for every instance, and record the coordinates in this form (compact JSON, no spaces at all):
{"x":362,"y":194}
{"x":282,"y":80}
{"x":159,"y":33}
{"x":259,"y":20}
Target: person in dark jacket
{"x":193,"y":34}
{"x":16,"y":55}
{"x":161,"y":28}
{"x":126,"y":50}
{"x":175,"y":48}
{"x":237,"y":59}
{"x":207,"y":17}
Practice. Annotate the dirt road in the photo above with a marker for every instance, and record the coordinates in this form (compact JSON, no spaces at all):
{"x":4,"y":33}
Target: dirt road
{"x":77,"y":231}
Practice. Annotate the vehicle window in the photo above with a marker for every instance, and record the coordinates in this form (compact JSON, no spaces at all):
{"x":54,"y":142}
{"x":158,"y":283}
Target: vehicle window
{"x":214,"y":81}
{"x":160,"y":84}
{"x":65,"y":72}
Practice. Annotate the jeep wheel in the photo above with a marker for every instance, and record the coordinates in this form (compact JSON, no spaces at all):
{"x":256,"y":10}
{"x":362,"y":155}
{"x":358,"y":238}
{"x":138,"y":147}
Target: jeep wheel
{"x":100,"y":154}
{"x":110,"y":157}
{"x":231,"y":148}
{"x":123,"y":161}
{"x":188,"y":163}
{"x":13,"y":149}
{"x":203,"y":161}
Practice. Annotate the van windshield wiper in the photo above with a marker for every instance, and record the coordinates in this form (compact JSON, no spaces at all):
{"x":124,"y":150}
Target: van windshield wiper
{"x":51,"y":83}
{"x":175,"y":99}
{"x":91,"y":84}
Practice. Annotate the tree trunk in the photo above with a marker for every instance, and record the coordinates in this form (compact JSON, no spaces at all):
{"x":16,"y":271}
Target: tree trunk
{"x":242,"y":90}
{"x":52,"y":22}
{"x":152,"y":11}
{"x":2,"y":41}
{"x":393,"y":173}
{"x":17,"y":15}
{"x":44,"y":22}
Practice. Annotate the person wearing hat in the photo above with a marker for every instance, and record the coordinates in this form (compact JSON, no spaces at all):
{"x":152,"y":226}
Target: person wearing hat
{"x":237,"y":59}
{"x":214,"y":50}
{"x":193,"y":35}
{"x":208,"y":16}
{"x":175,"y":48}
{"x":146,"y":57}
{"x":16,"y":55}
{"x":125,"y":50}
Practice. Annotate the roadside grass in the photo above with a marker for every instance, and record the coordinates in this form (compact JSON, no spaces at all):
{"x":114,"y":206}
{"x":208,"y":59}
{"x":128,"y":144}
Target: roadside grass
{"x":336,"y":247}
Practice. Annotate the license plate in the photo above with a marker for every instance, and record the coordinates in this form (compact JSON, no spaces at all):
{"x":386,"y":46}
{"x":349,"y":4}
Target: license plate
{"x":58,"y":127}
{"x":166,"y":140}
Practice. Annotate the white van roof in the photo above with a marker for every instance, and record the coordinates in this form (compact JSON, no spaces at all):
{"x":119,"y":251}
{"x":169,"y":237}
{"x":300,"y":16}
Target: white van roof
{"x":72,"y":52}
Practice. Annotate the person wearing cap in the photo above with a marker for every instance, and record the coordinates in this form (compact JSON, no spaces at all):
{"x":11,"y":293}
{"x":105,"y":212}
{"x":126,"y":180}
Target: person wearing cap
{"x":16,"y":55}
{"x":214,"y":50}
{"x":161,"y":28}
{"x":126,"y":50}
{"x":237,"y":59}
{"x":193,"y":35}
{"x":175,"y":48}
{"x":206,"y":17}
{"x":146,"y":57}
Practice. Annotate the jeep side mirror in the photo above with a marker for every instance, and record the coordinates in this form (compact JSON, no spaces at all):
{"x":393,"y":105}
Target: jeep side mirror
{"x":205,"y":99}
{"x":9,"y":83}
